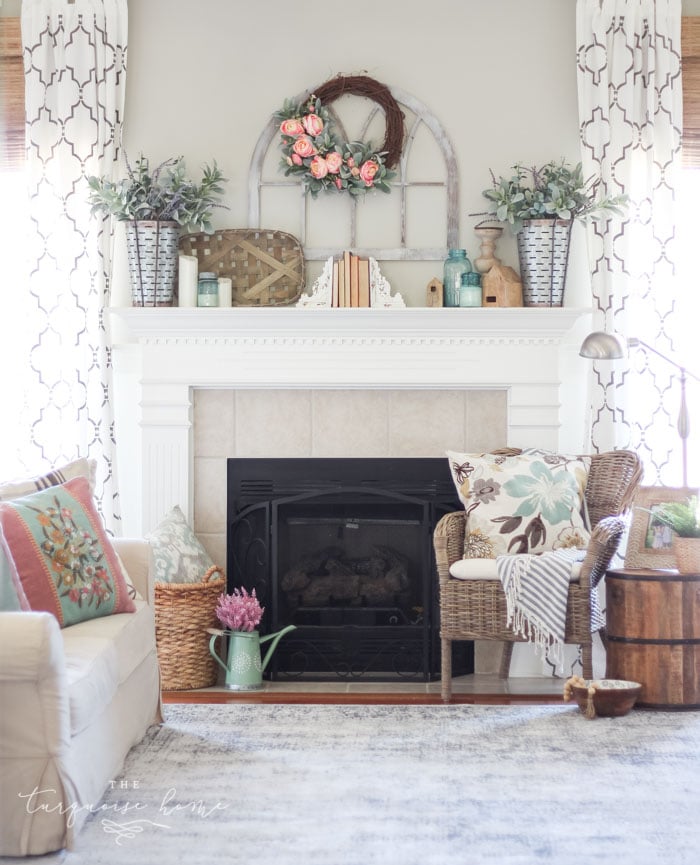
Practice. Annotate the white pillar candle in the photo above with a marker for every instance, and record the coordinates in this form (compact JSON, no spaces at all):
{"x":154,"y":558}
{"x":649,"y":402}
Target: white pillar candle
{"x":225,"y":292}
{"x":187,"y":280}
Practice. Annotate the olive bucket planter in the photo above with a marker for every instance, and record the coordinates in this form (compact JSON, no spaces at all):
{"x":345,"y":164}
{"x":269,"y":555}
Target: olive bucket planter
{"x":543,"y":250}
{"x":244,"y":666}
{"x":152,"y":254}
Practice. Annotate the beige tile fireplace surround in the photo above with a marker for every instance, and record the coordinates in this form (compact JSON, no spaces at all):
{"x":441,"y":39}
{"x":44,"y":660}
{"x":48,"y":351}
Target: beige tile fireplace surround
{"x":213,"y":384}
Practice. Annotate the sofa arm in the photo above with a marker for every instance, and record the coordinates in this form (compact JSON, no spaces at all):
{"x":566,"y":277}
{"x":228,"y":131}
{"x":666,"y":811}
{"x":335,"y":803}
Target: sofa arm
{"x":33,"y":683}
{"x":137,"y":556}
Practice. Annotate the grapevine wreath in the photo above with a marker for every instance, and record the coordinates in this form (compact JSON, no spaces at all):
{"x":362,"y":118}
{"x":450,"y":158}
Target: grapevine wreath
{"x":313,"y":151}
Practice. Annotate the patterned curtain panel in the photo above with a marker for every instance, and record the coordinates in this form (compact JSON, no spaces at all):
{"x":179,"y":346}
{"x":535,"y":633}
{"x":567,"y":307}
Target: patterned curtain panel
{"x":75,"y":68}
{"x":630,"y":107}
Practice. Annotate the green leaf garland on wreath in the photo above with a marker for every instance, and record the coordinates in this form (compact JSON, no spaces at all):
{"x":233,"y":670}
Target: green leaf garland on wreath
{"x":313,"y":152}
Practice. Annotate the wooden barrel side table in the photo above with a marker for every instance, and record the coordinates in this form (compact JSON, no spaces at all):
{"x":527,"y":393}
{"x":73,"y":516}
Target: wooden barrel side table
{"x":653,"y":635}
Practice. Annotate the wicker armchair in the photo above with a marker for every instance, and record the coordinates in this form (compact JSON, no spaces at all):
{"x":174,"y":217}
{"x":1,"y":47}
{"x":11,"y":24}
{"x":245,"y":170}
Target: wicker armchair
{"x":476,"y":609}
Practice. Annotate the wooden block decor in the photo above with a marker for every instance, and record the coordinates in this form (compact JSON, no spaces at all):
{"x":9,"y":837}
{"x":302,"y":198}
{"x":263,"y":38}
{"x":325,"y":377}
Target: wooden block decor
{"x":501,"y":286}
{"x":351,"y":281}
{"x":433,"y":293}
{"x":266,"y":268}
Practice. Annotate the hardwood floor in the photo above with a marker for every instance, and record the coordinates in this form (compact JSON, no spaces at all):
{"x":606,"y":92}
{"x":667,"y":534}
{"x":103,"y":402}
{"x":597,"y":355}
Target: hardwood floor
{"x":474,"y":690}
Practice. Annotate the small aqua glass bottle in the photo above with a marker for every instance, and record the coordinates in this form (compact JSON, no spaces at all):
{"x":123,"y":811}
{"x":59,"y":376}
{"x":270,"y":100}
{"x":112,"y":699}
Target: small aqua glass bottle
{"x":456,"y":264}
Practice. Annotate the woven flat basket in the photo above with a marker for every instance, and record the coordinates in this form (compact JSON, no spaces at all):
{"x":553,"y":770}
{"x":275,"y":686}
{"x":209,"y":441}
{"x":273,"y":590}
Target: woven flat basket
{"x":184,"y":611}
{"x":266,"y":268}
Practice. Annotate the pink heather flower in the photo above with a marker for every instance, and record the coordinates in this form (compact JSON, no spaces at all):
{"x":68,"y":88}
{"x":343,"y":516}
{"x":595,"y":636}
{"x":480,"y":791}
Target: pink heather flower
{"x":318,"y":167}
{"x":304,"y":147}
{"x":333,"y":162}
{"x":239,"y":611}
{"x":291,"y":127}
{"x":313,"y":124}
{"x":367,"y":171}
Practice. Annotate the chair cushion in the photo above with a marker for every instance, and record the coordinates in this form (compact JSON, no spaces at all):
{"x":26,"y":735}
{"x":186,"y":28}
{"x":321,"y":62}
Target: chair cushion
{"x":521,"y":503}
{"x":485,"y":569}
{"x":61,"y":555}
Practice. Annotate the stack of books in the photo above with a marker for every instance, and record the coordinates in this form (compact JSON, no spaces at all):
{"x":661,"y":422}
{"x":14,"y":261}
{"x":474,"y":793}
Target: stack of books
{"x":351,"y":281}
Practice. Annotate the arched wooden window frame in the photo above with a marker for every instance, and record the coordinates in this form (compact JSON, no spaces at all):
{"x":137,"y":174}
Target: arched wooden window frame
{"x":400,"y":185}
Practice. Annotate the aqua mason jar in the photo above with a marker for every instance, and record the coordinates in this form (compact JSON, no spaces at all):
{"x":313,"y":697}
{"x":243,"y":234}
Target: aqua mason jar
{"x":456,"y":264}
{"x":207,"y":290}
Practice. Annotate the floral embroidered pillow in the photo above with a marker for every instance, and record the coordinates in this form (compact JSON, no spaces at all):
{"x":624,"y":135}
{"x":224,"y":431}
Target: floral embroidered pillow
{"x":523,"y":503}
{"x":61,"y":556}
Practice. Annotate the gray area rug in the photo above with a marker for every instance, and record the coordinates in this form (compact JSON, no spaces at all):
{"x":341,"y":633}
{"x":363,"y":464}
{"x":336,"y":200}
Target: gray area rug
{"x":410,"y":785}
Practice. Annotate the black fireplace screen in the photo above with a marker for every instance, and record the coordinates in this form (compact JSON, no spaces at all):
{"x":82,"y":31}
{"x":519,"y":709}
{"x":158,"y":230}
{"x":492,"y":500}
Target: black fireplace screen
{"x":342,"y":549}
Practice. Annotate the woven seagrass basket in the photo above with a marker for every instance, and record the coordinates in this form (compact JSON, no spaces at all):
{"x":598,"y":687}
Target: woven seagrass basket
{"x":687,"y":553}
{"x":184,"y":611}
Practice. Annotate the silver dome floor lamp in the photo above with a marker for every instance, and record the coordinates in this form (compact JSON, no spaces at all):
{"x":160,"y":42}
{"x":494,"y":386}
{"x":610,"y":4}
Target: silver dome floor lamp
{"x":605,"y":346}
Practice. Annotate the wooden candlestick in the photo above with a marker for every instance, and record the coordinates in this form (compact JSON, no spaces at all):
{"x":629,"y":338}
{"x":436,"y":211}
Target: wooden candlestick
{"x":488,"y":236}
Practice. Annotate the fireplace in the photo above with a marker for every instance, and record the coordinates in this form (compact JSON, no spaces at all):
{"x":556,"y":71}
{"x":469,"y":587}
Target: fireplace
{"x":342,"y":549}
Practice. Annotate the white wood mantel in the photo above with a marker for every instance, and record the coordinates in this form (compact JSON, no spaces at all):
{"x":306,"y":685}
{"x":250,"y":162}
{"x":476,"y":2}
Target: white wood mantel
{"x":522,"y":350}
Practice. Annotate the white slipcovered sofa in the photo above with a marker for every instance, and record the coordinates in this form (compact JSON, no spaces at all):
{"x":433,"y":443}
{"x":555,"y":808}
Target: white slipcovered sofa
{"x":73,"y":702}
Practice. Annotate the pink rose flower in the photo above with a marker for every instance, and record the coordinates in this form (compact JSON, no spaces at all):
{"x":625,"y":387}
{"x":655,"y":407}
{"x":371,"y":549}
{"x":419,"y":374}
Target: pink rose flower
{"x":291,"y":127}
{"x":339,"y":183}
{"x":351,"y":162}
{"x":304,"y":147}
{"x":296,"y":159}
{"x":355,"y":171}
{"x":367,"y":171}
{"x":334,"y":160}
{"x":318,"y":167}
{"x":313,"y":124}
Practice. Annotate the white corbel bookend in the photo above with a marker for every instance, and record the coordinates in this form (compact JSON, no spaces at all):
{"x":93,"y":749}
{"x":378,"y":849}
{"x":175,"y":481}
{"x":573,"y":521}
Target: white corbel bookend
{"x":379,"y":289}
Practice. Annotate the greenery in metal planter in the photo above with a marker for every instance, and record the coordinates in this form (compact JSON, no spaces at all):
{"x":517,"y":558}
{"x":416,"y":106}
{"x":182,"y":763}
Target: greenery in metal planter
{"x":682,"y":517}
{"x":554,"y":191}
{"x":162,"y":194}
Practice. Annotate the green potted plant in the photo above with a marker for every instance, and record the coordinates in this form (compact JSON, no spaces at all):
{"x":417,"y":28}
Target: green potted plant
{"x":540,"y":205}
{"x":156,"y":204}
{"x":683,"y":518}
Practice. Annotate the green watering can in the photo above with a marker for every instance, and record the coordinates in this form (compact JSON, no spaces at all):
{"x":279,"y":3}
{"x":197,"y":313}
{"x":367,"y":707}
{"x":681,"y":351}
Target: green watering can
{"x":244,"y":668}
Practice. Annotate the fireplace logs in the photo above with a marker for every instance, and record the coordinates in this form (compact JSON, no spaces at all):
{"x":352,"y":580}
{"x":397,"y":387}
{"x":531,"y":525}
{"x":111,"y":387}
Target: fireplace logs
{"x":329,"y":577}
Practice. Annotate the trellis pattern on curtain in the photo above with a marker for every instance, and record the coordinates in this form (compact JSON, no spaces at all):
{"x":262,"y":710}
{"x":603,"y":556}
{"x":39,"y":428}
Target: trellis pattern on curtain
{"x":75,"y":73}
{"x":630,"y":108}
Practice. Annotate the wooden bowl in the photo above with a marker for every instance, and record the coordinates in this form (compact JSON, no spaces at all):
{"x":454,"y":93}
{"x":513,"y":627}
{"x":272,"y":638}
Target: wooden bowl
{"x":612,"y":698}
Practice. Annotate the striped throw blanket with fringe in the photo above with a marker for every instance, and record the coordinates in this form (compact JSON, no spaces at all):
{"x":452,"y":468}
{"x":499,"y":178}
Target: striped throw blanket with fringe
{"x":536,"y":589}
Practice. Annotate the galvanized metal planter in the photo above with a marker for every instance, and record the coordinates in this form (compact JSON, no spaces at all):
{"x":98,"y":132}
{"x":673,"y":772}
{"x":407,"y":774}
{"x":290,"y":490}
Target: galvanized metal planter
{"x":152,"y":250}
{"x":543,"y":249}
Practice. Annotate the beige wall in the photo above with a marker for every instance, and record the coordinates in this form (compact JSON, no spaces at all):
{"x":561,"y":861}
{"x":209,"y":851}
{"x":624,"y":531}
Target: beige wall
{"x":204,"y":78}
{"x":324,"y":423}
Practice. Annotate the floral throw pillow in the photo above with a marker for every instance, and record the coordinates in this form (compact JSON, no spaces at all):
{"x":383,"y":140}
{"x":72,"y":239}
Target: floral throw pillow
{"x":61,"y":556}
{"x":522,"y":503}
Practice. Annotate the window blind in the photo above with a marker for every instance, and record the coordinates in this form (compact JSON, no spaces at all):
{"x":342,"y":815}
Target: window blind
{"x":690,"y":54}
{"x":11,"y":95}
